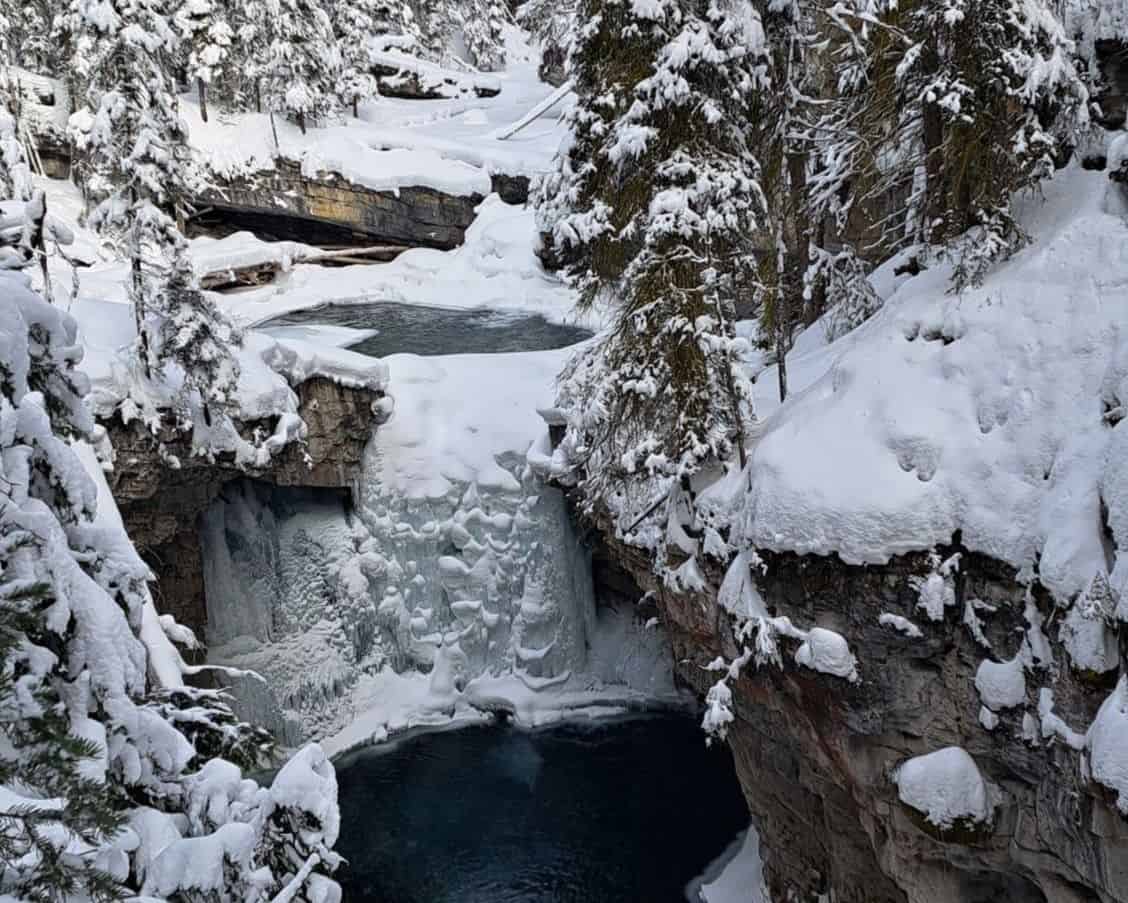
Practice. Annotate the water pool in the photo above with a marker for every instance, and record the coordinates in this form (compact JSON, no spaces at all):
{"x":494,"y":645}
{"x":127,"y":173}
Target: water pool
{"x":624,"y":811}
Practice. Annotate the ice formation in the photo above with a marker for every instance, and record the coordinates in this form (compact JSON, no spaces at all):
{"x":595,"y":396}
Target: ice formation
{"x":456,"y":583}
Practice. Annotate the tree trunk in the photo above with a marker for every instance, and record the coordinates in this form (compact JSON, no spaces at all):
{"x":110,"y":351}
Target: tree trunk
{"x":932,"y":123}
{"x":781,"y":361}
{"x":138,"y":282}
{"x":258,"y":96}
{"x":202,"y":91}
{"x":356,"y":111}
{"x":301,"y":122}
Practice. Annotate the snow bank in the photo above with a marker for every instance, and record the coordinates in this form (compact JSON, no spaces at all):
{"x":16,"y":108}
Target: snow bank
{"x":737,"y":876}
{"x":982,"y":412}
{"x":1108,"y":744}
{"x":947,"y":787}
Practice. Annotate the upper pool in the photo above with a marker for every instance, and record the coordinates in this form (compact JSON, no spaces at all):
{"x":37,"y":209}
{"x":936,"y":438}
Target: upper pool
{"x":417,"y":329}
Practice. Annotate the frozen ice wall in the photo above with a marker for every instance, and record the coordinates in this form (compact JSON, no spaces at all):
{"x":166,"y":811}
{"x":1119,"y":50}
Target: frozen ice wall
{"x":457,"y":580}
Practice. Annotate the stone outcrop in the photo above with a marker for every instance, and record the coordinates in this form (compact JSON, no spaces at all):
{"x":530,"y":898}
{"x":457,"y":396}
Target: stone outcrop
{"x":815,"y":754}
{"x":160,"y":503}
{"x":329,"y":209}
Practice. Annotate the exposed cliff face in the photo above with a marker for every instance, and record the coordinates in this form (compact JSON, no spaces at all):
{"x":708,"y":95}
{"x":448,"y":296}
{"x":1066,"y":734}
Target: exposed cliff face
{"x":286,"y":203}
{"x":160,"y":503}
{"x":815,"y":753}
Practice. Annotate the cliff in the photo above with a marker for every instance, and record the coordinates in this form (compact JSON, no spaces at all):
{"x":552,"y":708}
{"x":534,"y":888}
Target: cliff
{"x":816,"y":755}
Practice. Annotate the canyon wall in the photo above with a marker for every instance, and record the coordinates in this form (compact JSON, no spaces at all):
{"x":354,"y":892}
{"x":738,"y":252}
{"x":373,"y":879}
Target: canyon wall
{"x":816,"y":754}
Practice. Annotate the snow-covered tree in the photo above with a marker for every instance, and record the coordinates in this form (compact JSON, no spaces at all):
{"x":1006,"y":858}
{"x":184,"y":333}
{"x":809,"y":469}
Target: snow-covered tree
{"x":206,"y":38}
{"x":109,"y":787}
{"x":355,"y":24}
{"x":483,"y":22}
{"x":553,"y":24}
{"x":657,"y":202}
{"x":942,"y":110}
{"x":199,"y":341}
{"x":135,"y":160}
{"x":302,"y":64}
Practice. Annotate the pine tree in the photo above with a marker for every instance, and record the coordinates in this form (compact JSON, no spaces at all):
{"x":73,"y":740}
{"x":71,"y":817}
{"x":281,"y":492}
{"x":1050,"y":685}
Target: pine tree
{"x":355,"y":25}
{"x":656,"y":203}
{"x":483,"y":22}
{"x":135,"y":159}
{"x":303,"y":63}
{"x":86,"y":745}
{"x":206,"y":37}
{"x":199,"y":340}
{"x":943,"y":110}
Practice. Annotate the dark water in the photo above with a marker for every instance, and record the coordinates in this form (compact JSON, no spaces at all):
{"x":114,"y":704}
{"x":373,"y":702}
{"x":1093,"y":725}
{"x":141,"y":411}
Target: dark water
{"x":414,"y":329}
{"x":618,"y":812}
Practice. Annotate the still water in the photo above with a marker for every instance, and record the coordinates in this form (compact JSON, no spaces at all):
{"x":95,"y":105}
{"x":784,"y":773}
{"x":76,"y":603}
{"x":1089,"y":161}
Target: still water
{"x":625,"y":811}
{"x":415,"y":329}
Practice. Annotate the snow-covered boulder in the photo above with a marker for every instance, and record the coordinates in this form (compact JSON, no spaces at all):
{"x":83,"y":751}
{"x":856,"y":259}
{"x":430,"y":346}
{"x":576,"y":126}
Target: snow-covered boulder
{"x":827,"y":652}
{"x":947,"y":787}
{"x":1001,"y":685}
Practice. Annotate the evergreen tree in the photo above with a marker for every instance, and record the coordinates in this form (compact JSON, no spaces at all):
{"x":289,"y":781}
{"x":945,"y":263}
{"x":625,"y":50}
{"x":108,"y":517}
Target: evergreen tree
{"x":355,"y":24}
{"x":656,"y":203}
{"x":135,"y":158}
{"x":206,"y":37}
{"x":199,"y":340}
{"x":942,"y":111}
{"x":85,"y":750}
{"x":302,"y":63}
{"x":482,"y":24}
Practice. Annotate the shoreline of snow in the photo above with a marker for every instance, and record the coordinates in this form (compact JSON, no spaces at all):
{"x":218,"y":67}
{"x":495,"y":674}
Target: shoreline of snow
{"x":376,"y":729}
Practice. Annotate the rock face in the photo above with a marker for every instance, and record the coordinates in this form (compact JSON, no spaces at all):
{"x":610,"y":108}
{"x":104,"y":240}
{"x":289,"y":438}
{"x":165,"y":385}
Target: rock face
{"x":329,"y":209}
{"x":815,"y":754}
{"x":160,"y":504}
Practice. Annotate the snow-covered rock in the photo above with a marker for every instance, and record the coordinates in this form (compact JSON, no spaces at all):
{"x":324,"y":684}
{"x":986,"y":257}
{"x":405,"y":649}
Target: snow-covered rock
{"x":828,"y":652}
{"x":1108,"y":744}
{"x":947,"y":787}
{"x":1001,"y":685}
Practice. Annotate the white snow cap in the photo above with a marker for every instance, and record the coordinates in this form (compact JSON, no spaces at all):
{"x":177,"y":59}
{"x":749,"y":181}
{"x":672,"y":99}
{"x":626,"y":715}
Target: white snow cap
{"x":947,"y":787}
{"x":1001,"y":685}
{"x":826,"y":651}
{"x":1108,"y":744}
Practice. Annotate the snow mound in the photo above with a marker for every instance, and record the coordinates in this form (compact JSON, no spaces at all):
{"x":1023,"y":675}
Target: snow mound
{"x":1108,"y":744}
{"x":947,"y":787}
{"x":900,"y":624}
{"x":991,"y":412}
{"x":827,"y":652}
{"x":1001,"y":685}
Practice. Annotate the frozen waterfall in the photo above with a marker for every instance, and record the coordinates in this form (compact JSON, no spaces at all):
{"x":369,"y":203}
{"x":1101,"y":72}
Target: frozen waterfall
{"x":456,"y":583}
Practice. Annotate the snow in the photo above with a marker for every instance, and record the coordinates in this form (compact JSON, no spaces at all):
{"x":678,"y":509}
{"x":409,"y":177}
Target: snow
{"x":1107,"y":741}
{"x":446,"y":144}
{"x":736,"y":876}
{"x":828,"y":652}
{"x":947,"y":787}
{"x":496,"y":267}
{"x":900,"y":624}
{"x":1001,"y":685}
{"x":980,"y":412}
